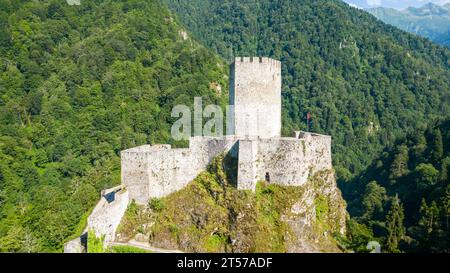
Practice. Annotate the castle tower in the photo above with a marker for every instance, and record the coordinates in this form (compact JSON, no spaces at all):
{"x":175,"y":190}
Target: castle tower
{"x":255,"y":96}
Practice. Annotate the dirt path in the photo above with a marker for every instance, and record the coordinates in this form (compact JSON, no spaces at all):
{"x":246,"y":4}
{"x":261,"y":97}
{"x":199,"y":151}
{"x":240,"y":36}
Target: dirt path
{"x":145,"y":246}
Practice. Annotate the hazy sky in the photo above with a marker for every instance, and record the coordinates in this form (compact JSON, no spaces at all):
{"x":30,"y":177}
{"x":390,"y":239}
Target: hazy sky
{"x":398,"y":4}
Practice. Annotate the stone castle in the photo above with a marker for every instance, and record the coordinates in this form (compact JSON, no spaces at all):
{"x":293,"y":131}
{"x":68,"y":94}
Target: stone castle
{"x":254,"y":142}
{"x":154,"y":171}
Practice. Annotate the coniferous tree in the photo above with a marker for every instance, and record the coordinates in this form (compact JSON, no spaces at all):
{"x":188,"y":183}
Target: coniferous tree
{"x":446,"y":207}
{"x":425,"y":176}
{"x":394,"y":225}
{"x":399,"y":166}
{"x":445,"y":168}
{"x":373,"y":200}
{"x":428,"y":216}
{"x":437,"y":147}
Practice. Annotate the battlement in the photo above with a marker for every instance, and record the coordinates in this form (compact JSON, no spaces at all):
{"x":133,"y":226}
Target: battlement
{"x":304,"y":135}
{"x":146,"y":148}
{"x":258,"y":60}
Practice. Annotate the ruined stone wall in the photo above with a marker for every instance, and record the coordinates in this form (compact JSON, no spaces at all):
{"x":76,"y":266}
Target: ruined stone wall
{"x":283,"y":160}
{"x":75,"y":246}
{"x":290,"y":161}
{"x":247,"y":164}
{"x":255,"y":93}
{"x":156,"y":171}
{"x":170,"y":170}
{"x":206,"y":148}
{"x":106,"y":216}
{"x":318,"y":153}
{"x":134,"y":171}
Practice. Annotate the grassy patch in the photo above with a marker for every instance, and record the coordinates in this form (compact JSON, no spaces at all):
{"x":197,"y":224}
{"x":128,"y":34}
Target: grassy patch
{"x":126,"y":249}
{"x":322,"y":207}
{"x":94,"y":243}
{"x":135,"y":220}
{"x":272,"y":202}
{"x":214,"y":243}
{"x":156,"y":204}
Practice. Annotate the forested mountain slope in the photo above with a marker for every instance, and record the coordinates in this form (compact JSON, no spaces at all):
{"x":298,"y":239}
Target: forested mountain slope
{"x":415,"y":172}
{"x":77,"y":85}
{"x":363,"y":81}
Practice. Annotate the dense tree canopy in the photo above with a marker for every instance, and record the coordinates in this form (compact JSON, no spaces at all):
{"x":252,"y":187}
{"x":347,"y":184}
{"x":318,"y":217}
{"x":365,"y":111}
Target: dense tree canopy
{"x":77,"y":85}
{"x":421,"y":188}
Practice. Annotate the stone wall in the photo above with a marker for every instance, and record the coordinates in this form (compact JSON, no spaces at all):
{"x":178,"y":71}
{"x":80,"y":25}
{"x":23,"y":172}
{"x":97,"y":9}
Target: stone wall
{"x":75,"y":246}
{"x":247,"y":165}
{"x":170,"y":170}
{"x":156,"y":171}
{"x":106,"y":216}
{"x":290,"y":161}
{"x":255,"y":93}
{"x":134,"y":171}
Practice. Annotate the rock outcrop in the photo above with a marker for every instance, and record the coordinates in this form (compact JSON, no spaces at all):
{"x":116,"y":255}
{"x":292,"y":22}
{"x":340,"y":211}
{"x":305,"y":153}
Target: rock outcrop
{"x":211,"y":215}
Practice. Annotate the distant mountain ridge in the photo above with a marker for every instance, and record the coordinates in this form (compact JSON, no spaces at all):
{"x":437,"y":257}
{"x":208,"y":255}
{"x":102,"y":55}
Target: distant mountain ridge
{"x":431,"y":21}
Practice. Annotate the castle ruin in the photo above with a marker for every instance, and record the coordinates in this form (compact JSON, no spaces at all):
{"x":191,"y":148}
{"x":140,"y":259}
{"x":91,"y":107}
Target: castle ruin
{"x":254,"y":140}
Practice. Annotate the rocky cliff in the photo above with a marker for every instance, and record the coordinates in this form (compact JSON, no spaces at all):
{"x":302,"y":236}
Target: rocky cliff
{"x":211,"y":215}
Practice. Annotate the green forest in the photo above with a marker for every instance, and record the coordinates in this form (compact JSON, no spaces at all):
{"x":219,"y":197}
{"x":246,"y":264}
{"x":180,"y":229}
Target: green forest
{"x":404,"y":196}
{"x":80,"y":83}
{"x":77,"y":85}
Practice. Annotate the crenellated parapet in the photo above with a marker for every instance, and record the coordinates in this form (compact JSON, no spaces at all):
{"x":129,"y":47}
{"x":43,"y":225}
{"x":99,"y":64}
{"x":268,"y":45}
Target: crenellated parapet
{"x":258,"y":60}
